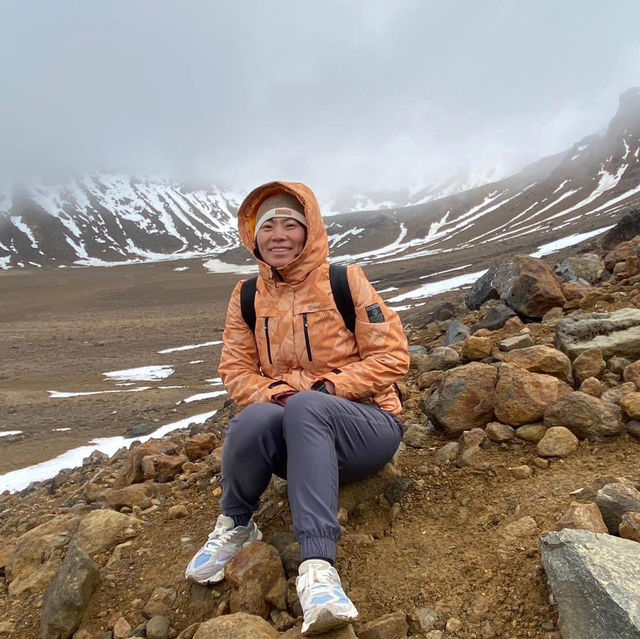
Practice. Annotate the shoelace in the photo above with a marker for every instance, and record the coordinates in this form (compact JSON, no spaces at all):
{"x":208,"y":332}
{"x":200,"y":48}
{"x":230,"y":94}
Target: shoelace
{"x":219,"y":537}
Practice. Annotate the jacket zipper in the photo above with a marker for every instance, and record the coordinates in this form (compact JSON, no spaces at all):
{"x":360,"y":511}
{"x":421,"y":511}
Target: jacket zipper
{"x":266,"y":334}
{"x":307,"y":341}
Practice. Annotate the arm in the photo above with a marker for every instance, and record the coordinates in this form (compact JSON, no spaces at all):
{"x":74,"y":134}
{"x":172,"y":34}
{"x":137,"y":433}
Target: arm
{"x":240,"y":363}
{"x":381,"y":340}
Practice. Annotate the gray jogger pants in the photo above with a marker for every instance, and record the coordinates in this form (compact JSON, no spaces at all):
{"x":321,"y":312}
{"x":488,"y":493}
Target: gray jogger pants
{"x":317,"y":441}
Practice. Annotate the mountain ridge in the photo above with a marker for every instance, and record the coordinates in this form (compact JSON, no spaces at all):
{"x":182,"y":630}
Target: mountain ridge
{"x":113,"y":219}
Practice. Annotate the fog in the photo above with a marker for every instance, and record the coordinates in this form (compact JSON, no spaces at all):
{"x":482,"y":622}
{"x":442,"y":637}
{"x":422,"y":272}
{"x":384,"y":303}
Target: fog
{"x":342,"y":95}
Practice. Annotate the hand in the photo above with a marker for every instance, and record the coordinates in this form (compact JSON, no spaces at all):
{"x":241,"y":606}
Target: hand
{"x":283,"y":398}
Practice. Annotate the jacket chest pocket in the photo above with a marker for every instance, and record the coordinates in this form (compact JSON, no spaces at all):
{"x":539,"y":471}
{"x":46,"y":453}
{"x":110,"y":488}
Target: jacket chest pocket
{"x":316,"y":325}
{"x":265,"y":329}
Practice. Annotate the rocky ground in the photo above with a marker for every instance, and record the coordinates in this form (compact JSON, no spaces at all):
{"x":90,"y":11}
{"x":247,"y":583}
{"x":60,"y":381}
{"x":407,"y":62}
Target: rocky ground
{"x":443,"y":544}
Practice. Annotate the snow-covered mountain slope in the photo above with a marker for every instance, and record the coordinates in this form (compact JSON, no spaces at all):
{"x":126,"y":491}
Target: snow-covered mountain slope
{"x":584,"y":189}
{"x":107,"y":219}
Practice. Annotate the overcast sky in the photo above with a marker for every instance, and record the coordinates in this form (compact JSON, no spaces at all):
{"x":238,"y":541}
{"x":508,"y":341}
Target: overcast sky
{"x":338,"y":94}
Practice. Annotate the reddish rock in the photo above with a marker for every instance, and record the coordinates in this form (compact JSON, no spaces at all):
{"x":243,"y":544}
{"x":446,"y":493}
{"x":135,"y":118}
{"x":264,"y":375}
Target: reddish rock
{"x":134,"y":495}
{"x":200,"y":445}
{"x":589,"y":363}
{"x":528,"y":285}
{"x":629,"y":527}
{"x":591,"y":386}
{"x":541,"y":359}
{"x":162,"y":468}
{"x":583,"y":517}
{"x":464,"y":398}
{"x":521,"y":472}
{"x":477,"y":347}
{"x":132,"y":472}
{"x":253,"y":573}
{"x":523,"y":397}
{"x":428,"y":379}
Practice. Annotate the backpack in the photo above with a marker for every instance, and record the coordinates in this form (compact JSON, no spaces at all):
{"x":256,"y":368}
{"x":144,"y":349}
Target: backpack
{"x":339,"y":288}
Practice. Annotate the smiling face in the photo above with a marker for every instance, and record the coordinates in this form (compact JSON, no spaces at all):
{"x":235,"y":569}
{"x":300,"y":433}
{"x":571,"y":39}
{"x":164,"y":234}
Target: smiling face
{"x":280,"y":240}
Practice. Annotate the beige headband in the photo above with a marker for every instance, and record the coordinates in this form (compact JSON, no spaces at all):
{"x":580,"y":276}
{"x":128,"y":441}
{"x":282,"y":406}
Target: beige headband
{"x":280,"y":211}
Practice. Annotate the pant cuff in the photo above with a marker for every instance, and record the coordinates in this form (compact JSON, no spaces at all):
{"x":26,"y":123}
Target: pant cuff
{"x":318,"y":547}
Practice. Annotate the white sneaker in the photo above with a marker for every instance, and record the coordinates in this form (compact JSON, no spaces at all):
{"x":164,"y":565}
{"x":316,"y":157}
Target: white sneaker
{"x":223,"y":544}
{"x":324,"y":604}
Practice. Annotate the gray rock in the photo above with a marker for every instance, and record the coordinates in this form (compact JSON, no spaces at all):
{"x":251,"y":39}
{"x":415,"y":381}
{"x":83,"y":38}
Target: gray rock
{"x":158,"y":628}
{"x":615,"y":333}
{"x":448,"y":453}
{"x":614,"y":500}
{"x":417,"y":436}
{"x":160,"y":602}
{"x":417,"y":350}
{"x":618,"y":364}
{"x":495,"y":318}
{"x":595,"y":581}
{"x":457,"y":332}
{"x":68,"y":595}
{"x":444,"y":311}
{"x":587,"y":268}
{"x":585,"y":416}
{"x":441,"y":358}
{"x":482,"y":290}
{"x":395,"y":491}
{"x":516,"y":341}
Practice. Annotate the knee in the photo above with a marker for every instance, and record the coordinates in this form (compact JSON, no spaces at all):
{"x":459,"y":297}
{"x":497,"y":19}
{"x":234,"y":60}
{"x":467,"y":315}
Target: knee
{"x":252,"y":424}
{"x":306,"y":403}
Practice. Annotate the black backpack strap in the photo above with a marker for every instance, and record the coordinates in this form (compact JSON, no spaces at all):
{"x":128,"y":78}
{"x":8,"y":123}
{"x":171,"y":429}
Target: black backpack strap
{"x":248,"y":303}
{"x":342,"y":295}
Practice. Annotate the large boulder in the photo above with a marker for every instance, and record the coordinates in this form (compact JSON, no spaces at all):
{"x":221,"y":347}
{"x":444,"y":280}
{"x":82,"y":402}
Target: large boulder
{"x":38,"y":554}
{"x":463,"y":398}
{"x":541,"y":359}
{"x":595,"y":581}
{"x":101,"y":530}
{"x":68,"y":594}
{"x":523,"y":397}
{"x":482,"y":290}
{"x":626,"y":229}
{"x":528,"y":285}
{"x":585,"y":416}
{"x":615,"y":333}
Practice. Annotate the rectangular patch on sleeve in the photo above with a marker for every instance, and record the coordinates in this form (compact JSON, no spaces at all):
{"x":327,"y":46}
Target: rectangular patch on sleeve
{"x":374,"y":313}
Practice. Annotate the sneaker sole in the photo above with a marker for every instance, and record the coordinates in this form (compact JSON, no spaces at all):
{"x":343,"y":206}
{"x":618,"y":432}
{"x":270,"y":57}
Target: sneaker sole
{"x":326,"y":621}
{"x":219,"y":576}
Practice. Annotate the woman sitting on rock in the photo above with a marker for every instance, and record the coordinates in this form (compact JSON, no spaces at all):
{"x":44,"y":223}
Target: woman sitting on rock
{"x":320,"y":399}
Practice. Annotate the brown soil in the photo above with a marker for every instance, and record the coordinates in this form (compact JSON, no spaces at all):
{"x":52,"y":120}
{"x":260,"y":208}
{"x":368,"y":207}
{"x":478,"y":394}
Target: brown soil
{"x":445,"y":547}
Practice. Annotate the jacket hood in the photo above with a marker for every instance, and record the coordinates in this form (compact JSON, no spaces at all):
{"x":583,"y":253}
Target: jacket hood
{"x":316,"y":248}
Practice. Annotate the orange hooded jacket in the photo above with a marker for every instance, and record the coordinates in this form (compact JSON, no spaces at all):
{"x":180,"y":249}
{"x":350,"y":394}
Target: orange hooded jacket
{"x":300,"y":336}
